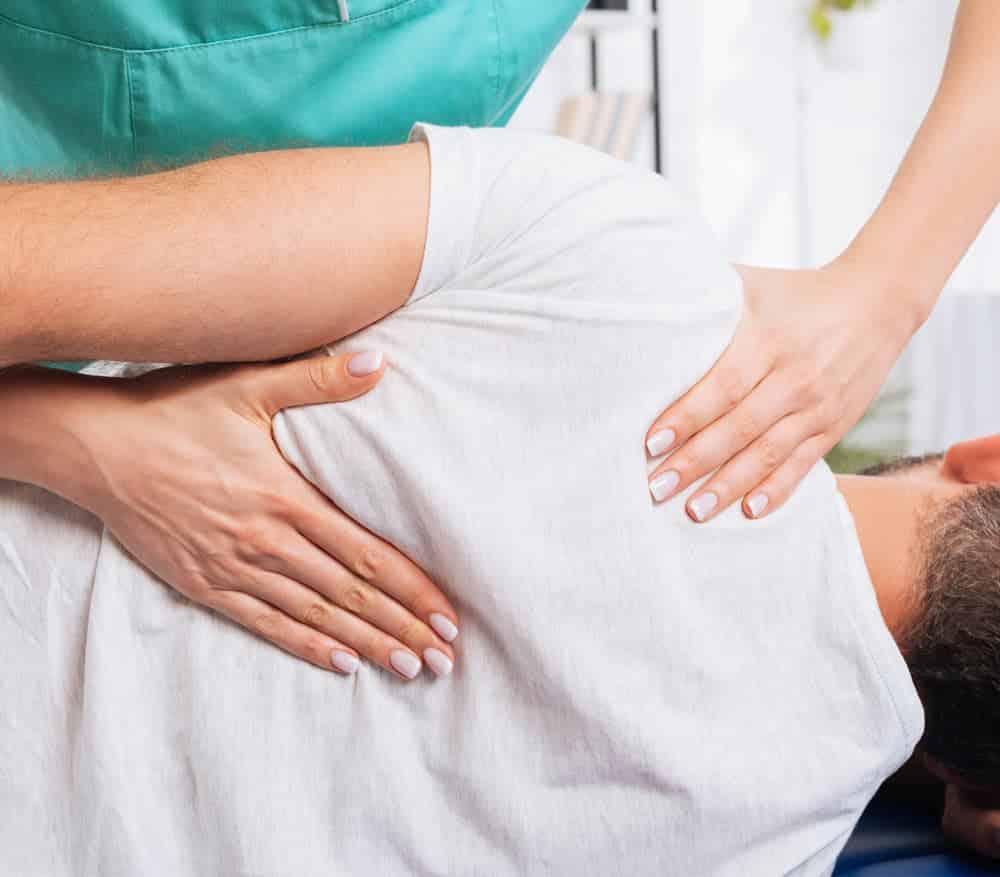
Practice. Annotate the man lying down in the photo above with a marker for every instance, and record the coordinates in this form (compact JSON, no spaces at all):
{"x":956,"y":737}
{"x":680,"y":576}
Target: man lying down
{"x":636,"y":694}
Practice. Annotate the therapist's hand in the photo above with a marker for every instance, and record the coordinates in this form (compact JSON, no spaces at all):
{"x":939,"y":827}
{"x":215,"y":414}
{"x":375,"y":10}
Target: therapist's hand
{"x":811,"y":351}
{"x":193,"y":485}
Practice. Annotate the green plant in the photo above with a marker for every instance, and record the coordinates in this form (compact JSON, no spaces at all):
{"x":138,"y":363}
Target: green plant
{"x":849,"y":456}
{"x":820,"y":21}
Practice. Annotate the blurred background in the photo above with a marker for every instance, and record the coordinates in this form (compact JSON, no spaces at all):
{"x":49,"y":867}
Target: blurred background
{"x":783,"y":122}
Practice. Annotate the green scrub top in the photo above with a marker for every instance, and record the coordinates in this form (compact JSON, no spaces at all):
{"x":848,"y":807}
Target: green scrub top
{"x":123,"y":86}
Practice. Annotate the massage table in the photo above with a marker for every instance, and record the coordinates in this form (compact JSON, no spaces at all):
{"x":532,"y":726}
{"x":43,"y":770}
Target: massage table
{"x":899,"y":835}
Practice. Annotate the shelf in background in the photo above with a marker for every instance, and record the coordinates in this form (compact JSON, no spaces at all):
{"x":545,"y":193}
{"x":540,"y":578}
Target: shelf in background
{"x":598,"y":21}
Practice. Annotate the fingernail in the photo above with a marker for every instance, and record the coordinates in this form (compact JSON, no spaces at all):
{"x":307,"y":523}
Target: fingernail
{"x":664,"y":485}
{"x":363,"y":364}
{"x":701,"y":507}
{"x":405,"y":663}
{"x":443,"y":627}
{"x":438,"y":661}
{"x":757,"y":504}
{"x":661,"y":442}
{"x":344,"y":661}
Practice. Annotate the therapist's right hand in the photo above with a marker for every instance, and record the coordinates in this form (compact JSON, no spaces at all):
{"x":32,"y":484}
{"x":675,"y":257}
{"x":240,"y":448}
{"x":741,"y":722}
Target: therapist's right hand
{"x":191,"y":482}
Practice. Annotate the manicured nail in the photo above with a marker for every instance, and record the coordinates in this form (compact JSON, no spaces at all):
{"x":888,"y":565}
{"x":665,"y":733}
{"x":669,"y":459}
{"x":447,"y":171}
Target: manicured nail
{"x":661,"y":442}
{"x":443,"y":627}
{"x":757,"y":503}
{"x":438,"y":661}
{"x":664,"y":485}
{"x":344,"y":661}
{"x":363,"y":364}
{"x":405,"y":663}
{"x":702,"y":506}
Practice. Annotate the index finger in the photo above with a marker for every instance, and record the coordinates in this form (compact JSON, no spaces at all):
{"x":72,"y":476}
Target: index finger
{"x":375,"y":561}
{"x":725,"y":385}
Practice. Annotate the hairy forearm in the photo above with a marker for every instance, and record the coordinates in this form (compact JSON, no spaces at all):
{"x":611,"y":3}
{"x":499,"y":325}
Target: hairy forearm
{"x":949,"y":181}
{"x":242,"y":258}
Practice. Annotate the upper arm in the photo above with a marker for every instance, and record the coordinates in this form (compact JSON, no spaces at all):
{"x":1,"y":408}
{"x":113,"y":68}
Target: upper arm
{"x":554,"y":219}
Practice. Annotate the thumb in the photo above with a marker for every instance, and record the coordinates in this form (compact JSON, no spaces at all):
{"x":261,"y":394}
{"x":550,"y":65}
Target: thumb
{"x":318,"y":379}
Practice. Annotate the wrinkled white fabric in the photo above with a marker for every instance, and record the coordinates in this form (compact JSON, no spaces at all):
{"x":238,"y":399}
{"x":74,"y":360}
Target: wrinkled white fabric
{"x":634,"y":694}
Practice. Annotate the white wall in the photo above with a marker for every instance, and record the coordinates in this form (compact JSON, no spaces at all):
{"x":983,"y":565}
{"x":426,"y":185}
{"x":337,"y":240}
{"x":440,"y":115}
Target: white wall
{"x":787,"y":146}
{"x":625,"y":64}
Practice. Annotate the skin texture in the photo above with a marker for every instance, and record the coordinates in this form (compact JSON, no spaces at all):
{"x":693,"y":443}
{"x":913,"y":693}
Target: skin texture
{"x":972,"y":814}
{"x":180,"y":464}
{"x":813,"y":347}
{"x":211,"y":506}
{"x":245,"y":258}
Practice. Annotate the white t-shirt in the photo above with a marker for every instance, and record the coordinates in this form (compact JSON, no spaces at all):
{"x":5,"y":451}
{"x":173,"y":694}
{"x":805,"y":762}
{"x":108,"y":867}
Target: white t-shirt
{"x":634,"y":694}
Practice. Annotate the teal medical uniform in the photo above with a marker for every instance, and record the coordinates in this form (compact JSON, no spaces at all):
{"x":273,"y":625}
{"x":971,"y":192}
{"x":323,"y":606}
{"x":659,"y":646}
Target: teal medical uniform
{"x":123,"y":86}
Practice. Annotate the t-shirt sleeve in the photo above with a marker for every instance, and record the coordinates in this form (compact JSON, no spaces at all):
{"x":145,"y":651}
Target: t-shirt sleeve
{"x":455,"y":202}
{"x":522,"y":212}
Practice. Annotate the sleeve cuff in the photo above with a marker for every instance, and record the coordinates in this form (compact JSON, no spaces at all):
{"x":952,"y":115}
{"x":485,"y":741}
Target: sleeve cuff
{"x":454,"y":205}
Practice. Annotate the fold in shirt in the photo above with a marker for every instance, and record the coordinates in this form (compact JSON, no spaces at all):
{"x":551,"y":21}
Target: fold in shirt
{"x":634,"y":694}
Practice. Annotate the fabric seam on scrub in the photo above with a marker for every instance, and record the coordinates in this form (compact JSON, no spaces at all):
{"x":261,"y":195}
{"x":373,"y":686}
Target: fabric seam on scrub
{"x":162,"y":50}
{"x":498,"y":83}
{"x":131,"y":105}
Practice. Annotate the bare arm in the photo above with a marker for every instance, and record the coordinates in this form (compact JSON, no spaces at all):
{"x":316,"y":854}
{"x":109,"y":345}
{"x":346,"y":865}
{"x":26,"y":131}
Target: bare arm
{"x":815,"y":346}
{"x":949,"y":182}
{"x":243,"y":258}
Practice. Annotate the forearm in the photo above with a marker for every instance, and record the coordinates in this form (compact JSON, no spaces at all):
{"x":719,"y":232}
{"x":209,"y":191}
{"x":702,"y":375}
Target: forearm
{"x":242,"y":258}
{"x":949,"y":181}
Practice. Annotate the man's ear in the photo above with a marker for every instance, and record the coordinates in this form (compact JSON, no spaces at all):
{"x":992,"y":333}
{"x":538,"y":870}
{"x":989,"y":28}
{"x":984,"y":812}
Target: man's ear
{"x":976,"y":461}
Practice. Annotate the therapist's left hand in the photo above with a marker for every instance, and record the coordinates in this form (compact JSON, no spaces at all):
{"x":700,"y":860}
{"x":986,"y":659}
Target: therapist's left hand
{"x":185,"y":472}
{"x":810,"y":352}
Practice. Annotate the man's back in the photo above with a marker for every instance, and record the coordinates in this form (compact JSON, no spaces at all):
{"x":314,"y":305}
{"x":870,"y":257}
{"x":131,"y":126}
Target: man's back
{"x":634,"y":694}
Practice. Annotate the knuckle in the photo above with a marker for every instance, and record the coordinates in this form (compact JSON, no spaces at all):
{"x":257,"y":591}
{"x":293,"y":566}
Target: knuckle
{"x":357,"y":598}
{"x":195,"y":578}
{"x":809,"y":387}
{"x":278,"y":504}
{"x":318,"y":372}
{"x":369,"y":563}
{"x":261,"y":544}
{"x":317,"y":615}
{"x":375,"y":647}
{"x":268,"y":623}
{"x":827,"y":412}
{"x":732,"y":386}
{"x":223,"y":570}
{"x":804,"y":457}
{"x":201,"y":591}
{"x":747,"y":428}
{"x":800,"y":392}
{"x":768,"y":454}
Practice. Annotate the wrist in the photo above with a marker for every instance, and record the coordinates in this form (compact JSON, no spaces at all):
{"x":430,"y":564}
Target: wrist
{"x":45,"y":438}
{"x":898,"y":301}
